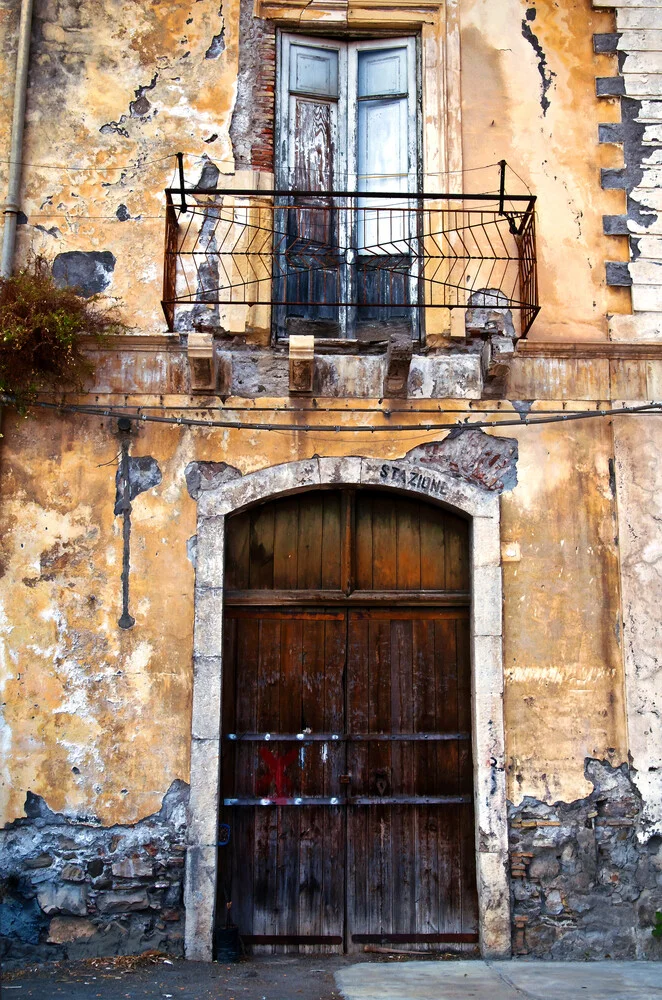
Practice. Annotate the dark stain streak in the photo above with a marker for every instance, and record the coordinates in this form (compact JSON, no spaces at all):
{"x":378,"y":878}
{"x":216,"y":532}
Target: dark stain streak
{"x":546,"y":74}
{"x":143,"y":473}
{"x":216,"y":46}
{"x":126,"y":621}
{"x":612,"y":478}
{"x":138,"y":108}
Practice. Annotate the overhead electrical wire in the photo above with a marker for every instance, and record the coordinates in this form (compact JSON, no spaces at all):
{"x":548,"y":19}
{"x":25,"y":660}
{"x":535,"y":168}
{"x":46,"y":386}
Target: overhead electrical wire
{"x":139,"y":165}
{"x":419,"y":428}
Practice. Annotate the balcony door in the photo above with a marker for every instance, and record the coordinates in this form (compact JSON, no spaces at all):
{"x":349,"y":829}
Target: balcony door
{"x":347,"y":145}
{"x":347,"y":816}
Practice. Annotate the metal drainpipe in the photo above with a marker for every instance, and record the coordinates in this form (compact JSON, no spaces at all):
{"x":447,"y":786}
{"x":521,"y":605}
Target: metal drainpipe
{"x":12,"y":206}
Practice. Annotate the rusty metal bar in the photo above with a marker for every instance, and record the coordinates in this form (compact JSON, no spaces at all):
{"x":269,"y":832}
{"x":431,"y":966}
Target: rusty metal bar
{"x":502,"y":185}
{"x":288,"y":800}
{"x":397,"y":195}
{"x":170,"y":263}
{"x":351,"y":800}
{"x":291,"y":939}
{"x":345,"y":737}
{"x":409,"y":800}
{"x":414,"y":938}
{"x":181,"y":191}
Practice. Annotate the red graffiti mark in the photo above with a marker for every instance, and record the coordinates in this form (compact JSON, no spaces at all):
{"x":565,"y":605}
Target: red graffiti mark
{"x":275,"y":775}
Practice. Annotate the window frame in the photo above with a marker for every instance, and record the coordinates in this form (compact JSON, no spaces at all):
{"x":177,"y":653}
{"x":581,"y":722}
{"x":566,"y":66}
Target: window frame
{"x":345,"y":123}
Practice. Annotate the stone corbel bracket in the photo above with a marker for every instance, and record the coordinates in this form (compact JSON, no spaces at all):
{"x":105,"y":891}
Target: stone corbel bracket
{"x":202,"y":367}
{"x":398,"y":362}
{"x":302,"y":365}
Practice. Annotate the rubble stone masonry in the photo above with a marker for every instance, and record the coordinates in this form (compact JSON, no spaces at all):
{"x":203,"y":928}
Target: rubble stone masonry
{"x":584,"y":885}
{"x":74,"y":889}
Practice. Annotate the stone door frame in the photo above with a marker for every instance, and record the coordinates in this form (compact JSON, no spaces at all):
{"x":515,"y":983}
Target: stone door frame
{"x":222,"y":498}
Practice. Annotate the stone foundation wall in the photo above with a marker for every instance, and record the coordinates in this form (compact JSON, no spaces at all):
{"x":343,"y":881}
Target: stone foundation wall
{"x":584,"y":883}
{"x":72,"y":889}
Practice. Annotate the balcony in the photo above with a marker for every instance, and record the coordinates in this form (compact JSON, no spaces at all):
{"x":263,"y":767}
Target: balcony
{"x":347,"y":264}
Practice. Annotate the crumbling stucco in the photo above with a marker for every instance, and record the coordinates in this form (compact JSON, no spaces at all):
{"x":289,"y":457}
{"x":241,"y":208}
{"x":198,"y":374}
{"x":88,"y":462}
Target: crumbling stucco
{"x":584,"y":886}
{"x":71,"y":888}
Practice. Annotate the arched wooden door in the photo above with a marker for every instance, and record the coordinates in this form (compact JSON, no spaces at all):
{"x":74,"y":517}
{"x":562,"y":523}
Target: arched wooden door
{"x":347,"y":814}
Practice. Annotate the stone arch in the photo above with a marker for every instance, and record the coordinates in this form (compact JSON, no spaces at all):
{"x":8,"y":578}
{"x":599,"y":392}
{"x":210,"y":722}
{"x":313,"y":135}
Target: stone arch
{"x":225,"y":491}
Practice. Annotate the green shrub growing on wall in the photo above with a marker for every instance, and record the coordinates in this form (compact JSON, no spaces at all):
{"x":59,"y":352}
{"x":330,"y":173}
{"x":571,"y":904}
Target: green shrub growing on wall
{"x":41,"y":334}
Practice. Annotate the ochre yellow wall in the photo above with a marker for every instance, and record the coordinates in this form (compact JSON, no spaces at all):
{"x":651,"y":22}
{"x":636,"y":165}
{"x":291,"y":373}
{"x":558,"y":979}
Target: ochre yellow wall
{"x":90,"y":59}
{"x":79,"y":692}
{"x":556,"y":153}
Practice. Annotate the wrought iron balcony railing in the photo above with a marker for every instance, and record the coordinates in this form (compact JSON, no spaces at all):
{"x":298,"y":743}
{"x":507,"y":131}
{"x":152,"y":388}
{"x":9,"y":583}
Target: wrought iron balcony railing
{"x":339,"y":263}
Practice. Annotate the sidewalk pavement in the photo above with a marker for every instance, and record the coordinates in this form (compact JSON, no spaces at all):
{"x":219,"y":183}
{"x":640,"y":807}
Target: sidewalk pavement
{"x":520,"y":980}
{"x":352,"y":977}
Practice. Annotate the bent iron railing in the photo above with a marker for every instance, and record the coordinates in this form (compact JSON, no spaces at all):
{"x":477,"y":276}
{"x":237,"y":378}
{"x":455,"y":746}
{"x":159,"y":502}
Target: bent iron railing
{"x":360,"y":255}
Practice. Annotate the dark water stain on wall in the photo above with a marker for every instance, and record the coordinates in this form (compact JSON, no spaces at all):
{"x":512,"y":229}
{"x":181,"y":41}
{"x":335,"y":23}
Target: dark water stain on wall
{"x":89,"y":272}
{"x":546,"y":74}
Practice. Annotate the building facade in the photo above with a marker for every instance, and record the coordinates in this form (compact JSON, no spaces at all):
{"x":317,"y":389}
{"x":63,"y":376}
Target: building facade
{"x":331,"y":607}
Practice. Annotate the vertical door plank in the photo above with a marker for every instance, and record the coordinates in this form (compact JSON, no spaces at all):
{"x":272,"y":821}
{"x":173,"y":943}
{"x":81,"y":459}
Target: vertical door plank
{"x":265,"y":876}
{"x":357,"y":872}
{"x":403,"y":817}
{"x":347,"y":546}
{"x":331,"y":578}
{"x":311,"y":818}
{"x":446,"y":699}
{"x":408,"y":546}
{"x":310,"y":543}
{"x":334,"y":858}
{"x":425,"y":718}
{"x":457,"y":553}
{"x":290,"y":693}
{"x":380,"y":777}
{"x":286,"y":528}
{"x":447,"y":757}
{"x":469,"y":900}
{"x":384,"y":534}
{"x":363,"y":542}
{"x":261,"y":548}
{"x":236,"y":552}
{"x":433,"y":554}
{"x":242,"y":823}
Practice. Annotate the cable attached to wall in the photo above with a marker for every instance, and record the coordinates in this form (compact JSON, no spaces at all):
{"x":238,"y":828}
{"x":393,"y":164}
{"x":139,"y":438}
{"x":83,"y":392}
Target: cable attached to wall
{"x":138,"y":416}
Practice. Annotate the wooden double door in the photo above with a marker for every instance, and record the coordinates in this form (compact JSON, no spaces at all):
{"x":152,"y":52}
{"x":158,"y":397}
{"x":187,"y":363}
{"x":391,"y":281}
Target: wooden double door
{"x":347,"y":815}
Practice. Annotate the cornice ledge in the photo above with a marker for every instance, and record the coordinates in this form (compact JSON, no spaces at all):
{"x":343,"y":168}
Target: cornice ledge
{"x":348,"y":12}
{"x":591,"y":350}
{"x":119,"y":343}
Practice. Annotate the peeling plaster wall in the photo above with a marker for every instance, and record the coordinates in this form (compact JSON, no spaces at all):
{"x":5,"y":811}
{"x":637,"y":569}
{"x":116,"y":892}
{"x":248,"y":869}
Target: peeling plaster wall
{"x":116,"y":88}
{"x":71,"y":889}
{"x":120,"y":85}
{"x":95,"y":715}
{"x":583,"y":887}
{"x":639,"y":489}
{"x":562,"y":654}
{"x":97,"y":719}
{"x":548,"y":132}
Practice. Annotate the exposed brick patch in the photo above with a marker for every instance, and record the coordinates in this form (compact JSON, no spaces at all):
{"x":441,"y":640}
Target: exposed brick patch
{"x":252,"y":126}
